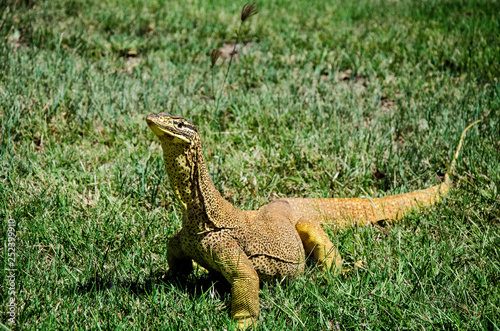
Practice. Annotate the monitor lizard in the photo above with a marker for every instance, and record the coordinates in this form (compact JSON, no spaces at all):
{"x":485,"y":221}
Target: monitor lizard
{"x":272,"y":242}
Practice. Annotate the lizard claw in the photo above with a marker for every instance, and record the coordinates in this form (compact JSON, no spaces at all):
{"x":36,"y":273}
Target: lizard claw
{"x":244,"y":323}
{"x":357,"y":265}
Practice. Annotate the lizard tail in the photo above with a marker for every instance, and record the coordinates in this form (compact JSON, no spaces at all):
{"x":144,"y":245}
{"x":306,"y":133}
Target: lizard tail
{"x":451,"y":169}
{"x":372,"y":210}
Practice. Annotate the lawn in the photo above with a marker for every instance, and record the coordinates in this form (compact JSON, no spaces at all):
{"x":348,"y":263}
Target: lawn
{"x":323,"y":99}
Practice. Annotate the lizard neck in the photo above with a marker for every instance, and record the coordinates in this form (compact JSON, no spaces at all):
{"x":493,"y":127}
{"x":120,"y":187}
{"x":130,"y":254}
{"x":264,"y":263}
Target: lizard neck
{"x":194,"y":188}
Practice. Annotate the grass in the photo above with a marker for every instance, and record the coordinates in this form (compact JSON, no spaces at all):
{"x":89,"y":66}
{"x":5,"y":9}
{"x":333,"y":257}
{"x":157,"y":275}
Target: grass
{"x":323,"y":96}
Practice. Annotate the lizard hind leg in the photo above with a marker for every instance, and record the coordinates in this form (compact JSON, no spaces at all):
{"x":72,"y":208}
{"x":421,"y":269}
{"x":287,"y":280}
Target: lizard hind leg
{"x":317,"y":242}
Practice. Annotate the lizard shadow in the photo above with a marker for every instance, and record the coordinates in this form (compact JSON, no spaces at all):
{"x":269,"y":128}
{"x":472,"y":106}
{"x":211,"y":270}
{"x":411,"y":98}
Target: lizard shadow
{"x":193,"y":285}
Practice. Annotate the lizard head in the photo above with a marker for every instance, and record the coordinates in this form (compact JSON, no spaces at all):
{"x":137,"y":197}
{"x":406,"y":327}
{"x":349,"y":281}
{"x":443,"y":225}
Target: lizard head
{"x":186,"y":168}
{"x":181,"y":145}
{"x":172,"y":129}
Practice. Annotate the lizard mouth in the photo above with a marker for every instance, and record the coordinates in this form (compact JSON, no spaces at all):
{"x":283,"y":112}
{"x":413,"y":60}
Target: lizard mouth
{"x":161,"y":125}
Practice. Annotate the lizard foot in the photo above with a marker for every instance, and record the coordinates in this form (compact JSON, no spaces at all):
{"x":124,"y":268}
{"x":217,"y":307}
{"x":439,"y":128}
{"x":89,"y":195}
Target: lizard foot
{"x":357,"y":265}
{"x":246,"y":322}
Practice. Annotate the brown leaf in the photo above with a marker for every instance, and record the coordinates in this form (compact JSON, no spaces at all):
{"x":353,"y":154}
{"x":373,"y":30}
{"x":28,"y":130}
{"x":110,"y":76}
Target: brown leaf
{"x":346,"y":75}
{"x":387,"y":104}
{"x":216,"y":53}
{"x":132,"y":53}
{"x":228,"y":50}
{"x":377,"y":174}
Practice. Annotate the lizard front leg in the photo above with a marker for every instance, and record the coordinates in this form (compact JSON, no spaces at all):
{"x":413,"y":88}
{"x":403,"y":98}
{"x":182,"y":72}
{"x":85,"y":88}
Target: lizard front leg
{"x":235,"y":266}
{"x":178,"y":262}
{"x":316,"y":241}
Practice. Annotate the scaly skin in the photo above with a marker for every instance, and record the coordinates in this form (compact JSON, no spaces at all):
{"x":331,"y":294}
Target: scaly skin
{"x":272,"y":242}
